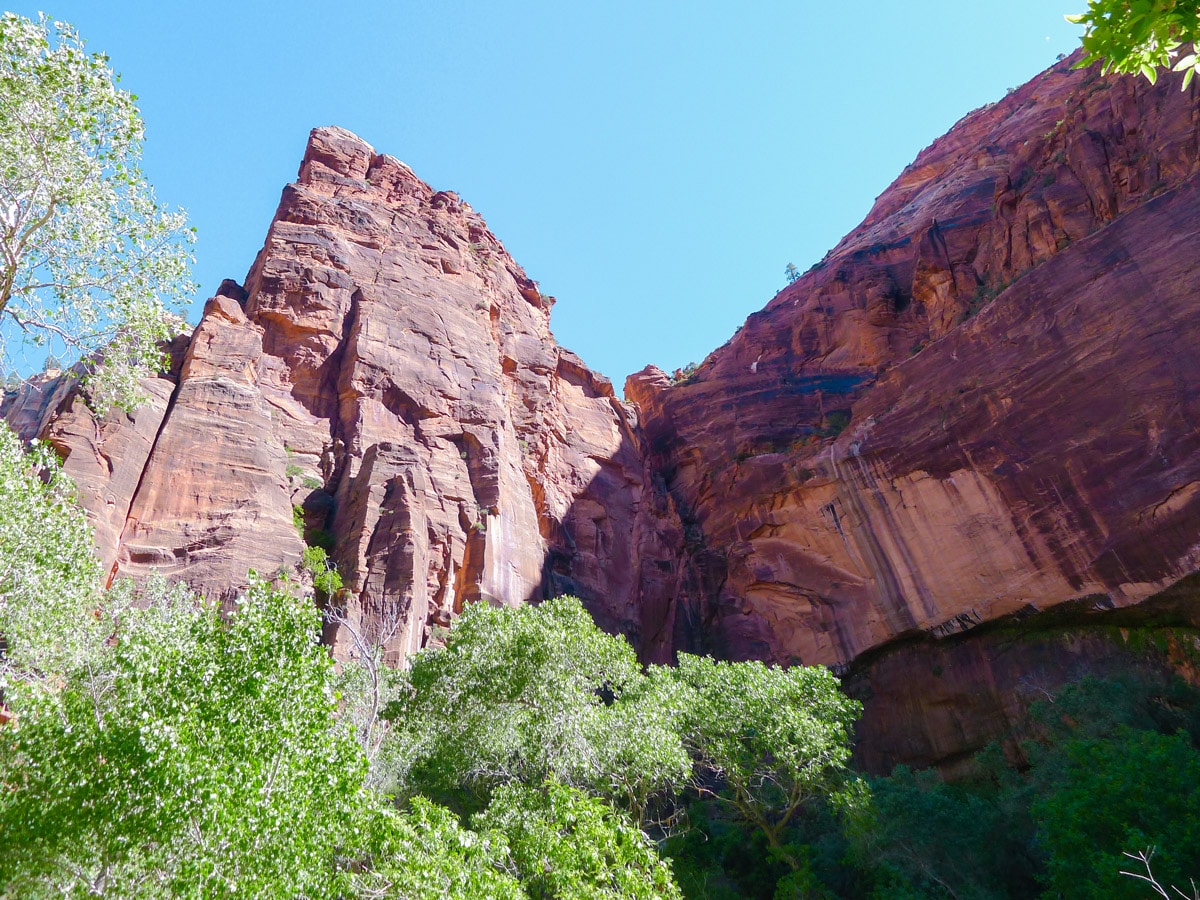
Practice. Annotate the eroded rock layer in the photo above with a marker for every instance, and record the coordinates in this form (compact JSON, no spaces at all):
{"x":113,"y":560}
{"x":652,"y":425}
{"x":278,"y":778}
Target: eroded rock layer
{"x":986,"y":397}
{"x":981,"y":404}
{"x":385,"y":384}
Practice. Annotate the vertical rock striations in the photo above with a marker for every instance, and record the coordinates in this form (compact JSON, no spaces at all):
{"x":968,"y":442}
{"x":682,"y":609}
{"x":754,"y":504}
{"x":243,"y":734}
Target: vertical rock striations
{"x":984,"y":398}
{"x":982,"y":403}
{"x":385,"y":383}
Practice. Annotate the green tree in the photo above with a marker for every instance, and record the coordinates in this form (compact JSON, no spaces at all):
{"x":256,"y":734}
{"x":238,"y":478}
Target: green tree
{"x":527,"y":695}
{"x":425,"y":853}
{"x":532,"y":695}
{"x":49,"y":573}
{"x":89,"y":261}
{"x":1141,"y":36}
{"x":764,"y":740}
{"x":565,"y":845}
{"x":1122,"y":793}
{"x":191,"y":756}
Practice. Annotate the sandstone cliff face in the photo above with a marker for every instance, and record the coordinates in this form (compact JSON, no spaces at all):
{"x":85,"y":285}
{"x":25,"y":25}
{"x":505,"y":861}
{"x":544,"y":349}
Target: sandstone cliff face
{"x":983,"y":399}
{"x":385,"y":381}
{"x":981,"y":403}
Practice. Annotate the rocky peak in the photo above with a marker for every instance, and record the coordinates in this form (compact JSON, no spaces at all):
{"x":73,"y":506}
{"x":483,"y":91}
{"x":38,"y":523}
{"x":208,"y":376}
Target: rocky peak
{"x":385,"y":385}
{"x":980,"y":404}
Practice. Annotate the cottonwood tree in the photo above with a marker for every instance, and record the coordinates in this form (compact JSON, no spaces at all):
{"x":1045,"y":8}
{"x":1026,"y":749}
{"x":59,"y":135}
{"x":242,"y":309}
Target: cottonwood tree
{"x":526,"y":695}
{"x":49,"y":574}
{"x":89,"y":260}
{"x":190,"y":755}
{"x":765,"y":741}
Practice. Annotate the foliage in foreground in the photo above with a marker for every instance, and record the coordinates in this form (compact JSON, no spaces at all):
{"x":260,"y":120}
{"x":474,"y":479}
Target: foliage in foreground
{"x":88,"y":258}
{"x":194,"y":756}
{"x":1141,"y":36}
{"x":1114,"y":769}
{"x":161,"y":748}
{"x":49,"y":574}
{"x":539,"y":693}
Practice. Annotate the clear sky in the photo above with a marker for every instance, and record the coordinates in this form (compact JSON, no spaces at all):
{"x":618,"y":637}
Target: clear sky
{"x":654,"y":165}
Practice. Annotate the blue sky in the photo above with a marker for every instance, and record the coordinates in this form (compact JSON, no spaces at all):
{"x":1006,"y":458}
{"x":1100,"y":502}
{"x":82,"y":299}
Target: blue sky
{"x":653,"y":165}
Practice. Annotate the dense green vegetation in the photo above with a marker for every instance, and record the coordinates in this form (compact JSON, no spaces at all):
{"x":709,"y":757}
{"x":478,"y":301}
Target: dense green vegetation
{"x":156,"y":747}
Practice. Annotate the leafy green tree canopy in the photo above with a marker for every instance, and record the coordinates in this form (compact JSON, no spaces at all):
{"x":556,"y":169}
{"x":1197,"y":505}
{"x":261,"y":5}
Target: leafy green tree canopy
{"x":49,"y":573}
{"x":89,"y":260}
{"x":1141,"y":36}
{"x":775,"y":739}
{"x":525,"y":695}
{"x":535,"y":694}
{"x":191,"y":755}
{"x":565,"y":845}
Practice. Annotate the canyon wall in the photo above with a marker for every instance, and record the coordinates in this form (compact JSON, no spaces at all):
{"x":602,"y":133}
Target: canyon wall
{"x":984,"y":399}
{"x":980,"y":405}
{"x":384,"y":384}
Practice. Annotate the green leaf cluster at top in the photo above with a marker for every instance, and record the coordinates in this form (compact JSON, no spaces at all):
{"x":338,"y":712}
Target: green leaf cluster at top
{"x":89,"y":261}
{"x":1141,"y":36}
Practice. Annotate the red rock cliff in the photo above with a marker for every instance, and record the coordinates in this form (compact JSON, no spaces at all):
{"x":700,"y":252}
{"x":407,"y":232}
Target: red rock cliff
{"x":982,"y":402}
{"x":387,"y":380}
{"x":984,"y":398}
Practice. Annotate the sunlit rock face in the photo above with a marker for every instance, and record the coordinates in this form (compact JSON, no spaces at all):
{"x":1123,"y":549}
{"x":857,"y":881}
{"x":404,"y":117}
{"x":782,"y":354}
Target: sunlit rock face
{"x":385,"y":381}
{"x":982,"y":403}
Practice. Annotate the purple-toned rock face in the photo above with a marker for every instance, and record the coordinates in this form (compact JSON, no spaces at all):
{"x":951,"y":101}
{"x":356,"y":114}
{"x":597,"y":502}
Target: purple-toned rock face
{"x":985,"y":397}
{"x":983,"y":401}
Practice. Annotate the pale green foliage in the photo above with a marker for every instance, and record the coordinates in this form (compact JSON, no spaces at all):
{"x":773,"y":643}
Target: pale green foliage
{"x":774,"y":738}
{"x":541,"y":842}
{"x":49,"y":574}
{"x":88,"y":258}
{"x":191,"y":757}
{"x":530,"y":694}
{"x":527,"y":695}
{"x":425,"y":854}
{"x":566,"y":845}
{"x":1141,"y":36}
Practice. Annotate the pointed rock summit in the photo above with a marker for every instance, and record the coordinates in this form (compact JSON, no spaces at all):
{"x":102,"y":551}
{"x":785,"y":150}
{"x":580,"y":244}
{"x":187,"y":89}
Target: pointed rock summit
{"x":385,"y":385}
